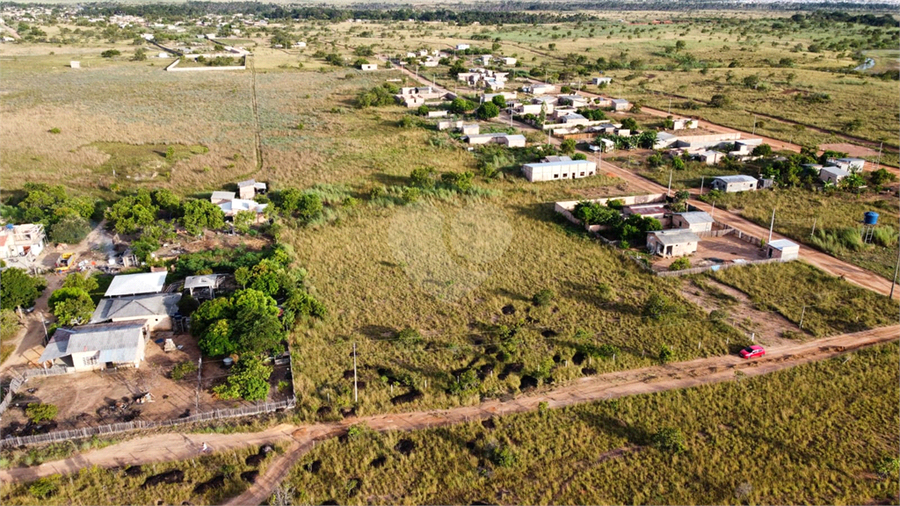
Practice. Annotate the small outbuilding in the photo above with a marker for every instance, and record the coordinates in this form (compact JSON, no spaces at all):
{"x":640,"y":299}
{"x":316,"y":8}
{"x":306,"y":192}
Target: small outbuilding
{"x":832,"y":174}
{"x":204,"y":286}
{"x":369,"y":66}
{"x":783,"y":249}
{"x":136,"y":284}
{"x":695,"y":221}
{"x":672,"y":243}
{"x":221,"y":197}
{"x":98,"y":346}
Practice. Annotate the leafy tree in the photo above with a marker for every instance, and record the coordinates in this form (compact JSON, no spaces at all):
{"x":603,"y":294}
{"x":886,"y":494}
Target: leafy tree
{"x":38,"y":412}
{"x":132,"y":213}
{"x":647,"y":139}
{"x":423,"y":110}
{"x":43,"y":488}
{"x":217,"y":340}
{"x":166,"y":200}
{"x":71,"y":306}
{"x":304,"y":205}
{"x":140,"y":54}
{"x":762,"y":150}
{"x":422,"y":177}
{"x":409,"y":336}
{"x":679,"y":45}
{"x":81,"y":281}
{"x":364,"y":51}
{"x":630,"y":124}
{"x":499,"y":101}
{"x":460,"y":105}
{"x":144,"y":246}
{"x":669,"y":440}
{"x":9,"y":324}
{"x":243,"y":220}
{"x":249,"y":381}
{"x":502,"y":456}
{"x":197,"y":215}
{"x":208,"y":313}
{"x":18,"y":289}
{"x":461,"y":180}
{"x":665,"y":354}
{"x":677,"y":163}
{"x":881,"y":177}
{"x":71,"y":229}
{"x":457,"y":68}
{"x":592,"y":213}
{"x":377,"y":96}
{"x":719,"y":101}
{"x":852,"y":182}
{"x":487,"y":111}
{"x":568,"y":146}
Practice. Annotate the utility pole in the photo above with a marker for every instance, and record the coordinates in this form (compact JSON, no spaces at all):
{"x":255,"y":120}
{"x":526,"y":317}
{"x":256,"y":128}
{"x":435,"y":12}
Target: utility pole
{"x":802,"y":312}
{"x":355,"y":389}
{"x":771,"y":226}
{"x":669,"y":189}
{"x":814,"y":226}
{"x":879,"y":152}
{"x":702,"y":180}
{"x":754,"y":124}
{"x":712,"y":213}
{"x":199,"y":383}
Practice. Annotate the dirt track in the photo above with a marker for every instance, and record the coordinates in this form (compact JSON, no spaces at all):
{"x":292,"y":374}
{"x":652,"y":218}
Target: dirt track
{"x":169,"y":447}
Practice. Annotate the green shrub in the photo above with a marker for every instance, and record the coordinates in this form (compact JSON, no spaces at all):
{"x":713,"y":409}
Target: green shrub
{"x":680,"y":264}
{"x":183,"y":370}
{"x":669,"y":440}
{"x":55,"y":130}
{"x":38,"y":413}
{"x":42,"y":488}
{"x":543,"y":297}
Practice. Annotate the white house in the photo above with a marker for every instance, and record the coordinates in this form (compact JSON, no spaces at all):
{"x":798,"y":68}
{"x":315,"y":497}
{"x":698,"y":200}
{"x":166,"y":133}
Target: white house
{"x":848,"y":164}
{"x":684,"y":123}
{"x":469,"y":129}
{"x":509,"y":62}
{"x":733,"y":184}
{"x":558,"y":167}
{"x":783,"y":249}
{"x":695,"y":221}
{"x":832,"y":174}
{"x":573,"y":118}
{"x":710,"y":157}
{"x":597,"y":81}
{"x":513,"y":141}
{"x":232,"y":207}
{"x":462,"y":47}
{"x":249,"y":189}
{"x":203,"y":286}
{"x":98,"y":346}
{"x":22,"y":240}
{"x":672,"y":243}
{"x":540,"y":89}
{"x":368,"y":66}
{"x":620,"y":104}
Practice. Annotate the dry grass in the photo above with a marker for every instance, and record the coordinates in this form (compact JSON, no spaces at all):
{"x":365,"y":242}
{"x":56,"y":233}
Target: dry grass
{"x":814,"y":433}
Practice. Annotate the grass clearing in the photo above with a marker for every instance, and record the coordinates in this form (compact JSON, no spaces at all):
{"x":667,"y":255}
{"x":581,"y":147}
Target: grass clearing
{"x":832,"y":305}
{"x":748,"y":441}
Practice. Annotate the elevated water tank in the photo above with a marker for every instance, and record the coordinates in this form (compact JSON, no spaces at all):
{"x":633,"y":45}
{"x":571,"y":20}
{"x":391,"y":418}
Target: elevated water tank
{"x":870,"y":218}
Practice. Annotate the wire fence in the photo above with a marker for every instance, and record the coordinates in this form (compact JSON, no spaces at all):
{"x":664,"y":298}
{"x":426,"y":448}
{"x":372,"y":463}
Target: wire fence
{"x":117,"y":428}
{"x":19,"y":379}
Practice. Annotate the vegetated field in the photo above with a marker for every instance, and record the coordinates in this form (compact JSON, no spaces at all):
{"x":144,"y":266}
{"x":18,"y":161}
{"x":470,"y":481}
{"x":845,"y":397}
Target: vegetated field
{"x":815,"y":433}
{"x":796,"y":210}
{"x":225,"y":475}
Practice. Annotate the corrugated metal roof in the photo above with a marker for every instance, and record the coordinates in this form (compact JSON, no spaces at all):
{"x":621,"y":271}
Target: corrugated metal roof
{"x":205,"y":281}
{"x":118,"y":341}
{"x":675,"y":236}
{"x":740,"y":178}
{"x":781,"y":244}
{"x":136,"y":284}
{"x":696,"y":217}
{"x":144,"y":306}
{"x":249,"y":182}
{"x":56,"y":347}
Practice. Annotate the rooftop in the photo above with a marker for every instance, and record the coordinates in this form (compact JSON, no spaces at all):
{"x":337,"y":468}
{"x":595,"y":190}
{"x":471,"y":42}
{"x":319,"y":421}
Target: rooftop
{"x":204,"y":281}
{"x":740,"y":178}
{"x":222,"y":195}
{"x":835,"y":171}
{"x":781,"y":244}
{"x":249,"y":182}
{"x":136,"y":284}
{"x":116,"y":342}
{"x":675,"y":236}
{"x":697,"y":217}
{"x":142,"y":306}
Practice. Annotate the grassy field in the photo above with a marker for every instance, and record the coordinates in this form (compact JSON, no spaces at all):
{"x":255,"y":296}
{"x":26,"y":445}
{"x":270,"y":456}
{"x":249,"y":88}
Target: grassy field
{"x":812,"y":434}
{"x":126,"y":486}
{"x":796,"y":210}
{"x":833,"y":306}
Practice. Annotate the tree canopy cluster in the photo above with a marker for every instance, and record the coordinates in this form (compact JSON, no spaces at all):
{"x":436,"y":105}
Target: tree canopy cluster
{"x":64,"y":217}
{"x":632,"y":229}
{"x":18,"y":289}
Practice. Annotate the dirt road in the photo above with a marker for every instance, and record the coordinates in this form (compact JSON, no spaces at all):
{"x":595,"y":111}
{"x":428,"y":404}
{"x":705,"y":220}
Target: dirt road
{"x":170,"y":447}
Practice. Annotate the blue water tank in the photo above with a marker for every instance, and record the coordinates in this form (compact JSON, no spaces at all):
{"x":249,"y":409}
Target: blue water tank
{"x":871,"y":218}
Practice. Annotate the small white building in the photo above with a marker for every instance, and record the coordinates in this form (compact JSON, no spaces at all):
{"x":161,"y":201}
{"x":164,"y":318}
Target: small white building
{"x":220,"y":197}
{"x":540,"y":89}
{"x":620,"y":104}
{"x":597,"y":81}
{"x":710,"y":157}
{"x":249,"y":189}
{"x":470,"y":129}
{"x":783,"y":249}
{"x":126,"y":285}
{"x":684,"y":123}
{"x":98,"y":346}
{"x":558,"y":167}
{"x":849,"y":164}
{"x":75,"y":64}
{"x":509,"y":62}
{"x":512,"y":141}
{"x":462,"y":47}
{"x":672,"y":243}
{"x":440,"y":113}
{"x":369,"y":66}
{"x":734,"y":184}
{"x":22,"y":240}
{"x":832,"y":174}
{"x":695,"y":221}
{"x":573,"y":118}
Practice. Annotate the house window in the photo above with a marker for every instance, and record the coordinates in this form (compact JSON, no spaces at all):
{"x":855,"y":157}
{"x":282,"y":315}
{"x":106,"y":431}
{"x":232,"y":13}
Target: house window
{"x":591,"y":173}
{"x":90,"y":360}
{"x":565,"y":175}
{"x":555,"y":176}
{"x":582,"y":174}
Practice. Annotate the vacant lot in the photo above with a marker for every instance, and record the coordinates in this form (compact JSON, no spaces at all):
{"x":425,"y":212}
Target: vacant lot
{"x":748,"y":441}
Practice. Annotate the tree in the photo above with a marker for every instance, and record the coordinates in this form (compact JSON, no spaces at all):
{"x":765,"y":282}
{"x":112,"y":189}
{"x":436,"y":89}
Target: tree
{"x":460,"y":105}
{"x":487,"y":111}
{"x":423,"y":110}
{"x":669,"y":440}
{"x":249,"y":381}
{"x":217,"y":340}
{"x":132,"y":213}
{"x":71,"y":306}
{"x":499,"y":101}
{"x":677,"y":163}
{"x":630,"y":124}
{"x":82,"y":281}
{"x":762,"y":150}
{"x":881,"y":177}
{"x":665,"y":354}
{"x":852,"y":182}
{"x":18,"y":289}
{"x":38,"y":412}
{"x":43,"y":488}
{"x":680,"y":264}
{"x":140,"y":54}
{"x":71,"y":229}
{"x":422,"y":177}
{"x":9,"y":324}
{"x":568,"y":146}
{"x":198,"y":215}
{"x":243,"y":220}
{"x":109,"y":53}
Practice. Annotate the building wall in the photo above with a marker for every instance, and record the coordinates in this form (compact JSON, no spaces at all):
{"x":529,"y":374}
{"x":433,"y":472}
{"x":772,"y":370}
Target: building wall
{"x":678,"y":250}
{"x":155,"y":323}
{"x":678,"y":221}
{"x":247,"y":193}
{"x":786,"y":254}
{"x":537,"y":172}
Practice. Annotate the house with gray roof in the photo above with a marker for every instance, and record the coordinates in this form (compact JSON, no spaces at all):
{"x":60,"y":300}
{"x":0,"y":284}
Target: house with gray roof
{"x":250,"y":188}
{"x":672,"y":243}
{"x":695,"y":221}
{"x":156,"y":309}
{"x":203,"y":286}
{"x":734,"y":184}
{"x":98,"y":346}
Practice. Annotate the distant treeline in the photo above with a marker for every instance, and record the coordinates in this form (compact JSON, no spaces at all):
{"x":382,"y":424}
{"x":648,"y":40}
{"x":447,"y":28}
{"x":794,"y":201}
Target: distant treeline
{"x":507,"y":12}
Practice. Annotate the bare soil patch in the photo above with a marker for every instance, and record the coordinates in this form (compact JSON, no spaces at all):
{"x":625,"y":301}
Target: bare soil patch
{"x":850,"y":149}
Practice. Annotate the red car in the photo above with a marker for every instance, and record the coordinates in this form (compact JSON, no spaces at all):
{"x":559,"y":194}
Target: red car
{"x":753,"y":351}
